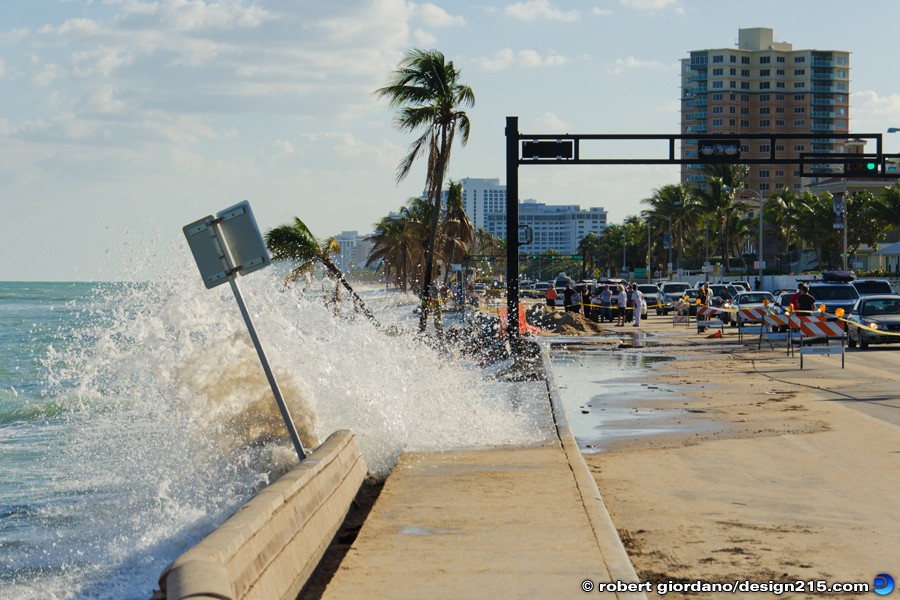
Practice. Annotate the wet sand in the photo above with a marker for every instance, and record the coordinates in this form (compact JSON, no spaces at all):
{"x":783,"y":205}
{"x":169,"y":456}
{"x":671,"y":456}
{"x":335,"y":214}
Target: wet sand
{"x":769,"y":480}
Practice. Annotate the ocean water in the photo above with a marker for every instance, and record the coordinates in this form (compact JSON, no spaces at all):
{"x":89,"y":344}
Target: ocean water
{"x":135,"y":417}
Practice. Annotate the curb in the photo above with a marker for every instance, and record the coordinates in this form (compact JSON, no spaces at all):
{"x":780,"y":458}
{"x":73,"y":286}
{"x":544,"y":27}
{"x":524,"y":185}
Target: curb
{"x":611,"y":548}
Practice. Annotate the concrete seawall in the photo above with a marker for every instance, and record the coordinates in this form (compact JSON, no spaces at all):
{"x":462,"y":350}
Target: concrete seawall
{"x":270,"y":546}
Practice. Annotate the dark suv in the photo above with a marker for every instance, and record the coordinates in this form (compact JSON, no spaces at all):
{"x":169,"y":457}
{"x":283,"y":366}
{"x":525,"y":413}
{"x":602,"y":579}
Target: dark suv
{"x":834,"y":295}
{"x":872,"y":287}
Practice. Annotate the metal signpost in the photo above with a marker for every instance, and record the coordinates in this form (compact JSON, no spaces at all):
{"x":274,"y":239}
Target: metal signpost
{"x":228,"y":244}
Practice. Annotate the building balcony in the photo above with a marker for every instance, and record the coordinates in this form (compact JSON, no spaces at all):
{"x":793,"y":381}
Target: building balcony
{"x":823,"y":114}
{"x":817,"y":127}
{"x":820,"y":62}
{"x":822,"y":101}
{"x":827,"y":76}
{"x":696,"y":128}
{"x":823,"y":89}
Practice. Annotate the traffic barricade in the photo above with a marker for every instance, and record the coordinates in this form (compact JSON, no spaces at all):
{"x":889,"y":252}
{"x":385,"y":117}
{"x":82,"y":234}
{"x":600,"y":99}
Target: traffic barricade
{"x":710,"y":316}
{"x":681,"y":313}
{"x":823,"y":331}
{"x":787,"y":326}
{"x":750,"y":315}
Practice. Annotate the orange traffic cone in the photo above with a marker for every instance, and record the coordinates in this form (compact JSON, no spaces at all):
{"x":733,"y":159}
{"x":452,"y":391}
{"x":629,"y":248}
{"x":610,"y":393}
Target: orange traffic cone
{"x":717,"y":334}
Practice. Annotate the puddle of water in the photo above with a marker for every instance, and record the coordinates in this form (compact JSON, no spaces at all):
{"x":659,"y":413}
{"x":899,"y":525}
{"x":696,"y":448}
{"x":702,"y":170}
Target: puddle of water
{"x":604,"y":392}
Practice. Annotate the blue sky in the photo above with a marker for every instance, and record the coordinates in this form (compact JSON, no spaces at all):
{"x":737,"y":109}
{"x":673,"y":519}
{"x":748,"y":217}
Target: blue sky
{"x":123,"y":120}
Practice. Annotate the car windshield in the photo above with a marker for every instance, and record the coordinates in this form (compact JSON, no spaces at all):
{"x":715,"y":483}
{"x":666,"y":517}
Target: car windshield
{"x":648,"y":289}
{"x":833,"y":292}
{"x":886,"y":306}
{"x":873,"y":287}
{"x":755,"y":298}
{"x":675,"y":288}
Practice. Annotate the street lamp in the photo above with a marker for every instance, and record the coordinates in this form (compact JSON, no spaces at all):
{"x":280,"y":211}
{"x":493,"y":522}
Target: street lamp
{"x":760,"y":200}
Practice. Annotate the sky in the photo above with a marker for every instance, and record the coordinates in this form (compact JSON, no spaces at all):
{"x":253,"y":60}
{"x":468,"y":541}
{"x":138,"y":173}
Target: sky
{"x":121,"y":121}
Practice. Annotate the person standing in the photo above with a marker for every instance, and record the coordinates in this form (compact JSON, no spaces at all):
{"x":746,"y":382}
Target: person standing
{"x":622,"y":303}
{"x":606,"y":305}
{"x":637,"y":298}
{"x":806,"y":304}
{"x":550,"y":296}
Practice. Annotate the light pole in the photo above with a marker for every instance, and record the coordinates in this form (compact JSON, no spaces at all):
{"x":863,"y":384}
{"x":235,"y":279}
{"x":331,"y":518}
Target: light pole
{"x":760,"y":200}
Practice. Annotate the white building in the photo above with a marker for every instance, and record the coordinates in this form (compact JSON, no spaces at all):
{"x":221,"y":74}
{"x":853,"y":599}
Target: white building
{"x":557,"y":227}
{"x":554,"y":227}
{"x":354,"y":250}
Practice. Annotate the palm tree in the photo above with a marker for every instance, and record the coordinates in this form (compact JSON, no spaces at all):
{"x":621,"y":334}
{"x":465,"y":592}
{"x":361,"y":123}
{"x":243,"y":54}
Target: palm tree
{"x":457,"y":231}
{"x":425,"y":89}
{"x":673,"y":207}
{"x":297,"y":244}
{"x":588,"y":248}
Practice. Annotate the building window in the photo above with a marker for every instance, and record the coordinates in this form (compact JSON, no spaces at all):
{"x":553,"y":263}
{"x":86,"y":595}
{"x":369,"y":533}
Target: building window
{"x":732,"y":110}
{"x":799,"y":84}
{"x":718,"y":84}
{"x":779,"y":72}
{"x":731,"y":122}
{"x":745,"y":123}
{"x":732,"y":58}
{"x":732,"y":72}
{"x":718,"y":110}
{"x":764,"y":174}
{"x":779,"y":85}
{"x":717,"y":97}
{"x":765,"y":60}
{"x":764,"y":110}
{"x":799,"y":97}
{"x":732,"y":84}
{"x":763,"y":122}
{"x":718,"y":72}
{"x":779,"y":59}
{"x":779,"y":122}
{"x":764,"y":187}
{"x":764,"y":147}
{"x":717,"y":122}
{"x":745,"y":110}
{"x":779,"y":148}
{"x":799,"y":72}
{"x":841,"y":85}
{"x":763,"y":97}
{"x":779,"y":173}
{"x":799,"y":110}
{"x":745,"y":97}
{"x":764,"y":72}
{"x":718,"y":58}
{"x":799,"y":148}
{"x":779,"y":110}
{"x":799,"y":59}
{"x":779,"y":97}
{"x":764,"y":85}
{"x":745,"y":72}
{"x":799,"y":122}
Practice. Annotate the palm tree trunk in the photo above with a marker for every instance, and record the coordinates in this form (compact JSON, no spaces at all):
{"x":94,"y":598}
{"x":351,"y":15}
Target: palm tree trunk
{"x":437,"y":184}
{"x":332,"y":268}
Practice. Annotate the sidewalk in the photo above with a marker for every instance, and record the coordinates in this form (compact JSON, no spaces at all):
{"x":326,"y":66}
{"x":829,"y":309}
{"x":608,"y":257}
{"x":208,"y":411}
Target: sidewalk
{"x":494,"y":523}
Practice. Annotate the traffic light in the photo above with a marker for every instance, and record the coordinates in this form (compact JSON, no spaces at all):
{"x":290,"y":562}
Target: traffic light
{"x":861,"y":167}
{"x":716,"y":150}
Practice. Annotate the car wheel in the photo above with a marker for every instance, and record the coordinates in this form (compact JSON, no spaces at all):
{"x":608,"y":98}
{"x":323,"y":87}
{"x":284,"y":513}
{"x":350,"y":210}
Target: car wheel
{"x":863,"y":344}
{"x":851,"y":343}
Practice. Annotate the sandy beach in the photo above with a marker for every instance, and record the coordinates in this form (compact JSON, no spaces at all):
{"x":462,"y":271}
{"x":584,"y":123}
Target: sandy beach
{"x":785,"y":483}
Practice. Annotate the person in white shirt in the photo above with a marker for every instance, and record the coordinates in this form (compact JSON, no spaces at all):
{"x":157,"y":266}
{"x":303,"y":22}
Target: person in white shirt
{"x":622,"y":302}
{"x":638,"y":301}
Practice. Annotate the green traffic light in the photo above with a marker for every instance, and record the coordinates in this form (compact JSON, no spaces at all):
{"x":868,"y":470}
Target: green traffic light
{"x":870,"y":166}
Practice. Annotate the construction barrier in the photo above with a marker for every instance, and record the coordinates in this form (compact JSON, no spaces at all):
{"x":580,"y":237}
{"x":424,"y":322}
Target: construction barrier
{"x":524,"y":326}
{"x":820,"y":328}
{"x":710,"y":316}
{"x":748,"y":315}
{"x":789,"y":322}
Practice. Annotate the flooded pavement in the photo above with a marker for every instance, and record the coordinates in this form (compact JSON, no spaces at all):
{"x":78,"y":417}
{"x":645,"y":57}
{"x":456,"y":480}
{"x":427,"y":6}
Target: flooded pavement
{"x":607,"y":388}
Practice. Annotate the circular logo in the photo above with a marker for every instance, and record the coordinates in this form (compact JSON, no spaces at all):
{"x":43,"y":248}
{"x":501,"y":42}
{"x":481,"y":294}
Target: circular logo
{"x":883,"y":584}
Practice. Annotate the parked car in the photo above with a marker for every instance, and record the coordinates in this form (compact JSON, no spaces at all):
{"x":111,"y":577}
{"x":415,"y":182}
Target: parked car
{"x":872,"y":287}
{"x":535,"y":290}
{"x":751,"y":300}
{"x":651,"y":296}
{"x":670,"y":292}
{"x":834,"y":295}
{"x":881,"y":313}
{"x":741,"y":284}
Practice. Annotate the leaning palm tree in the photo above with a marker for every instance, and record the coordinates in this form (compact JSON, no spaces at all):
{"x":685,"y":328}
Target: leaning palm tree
{"x":426,"y":91}
{"x":297,"y":244}
{"x":457,"y":231}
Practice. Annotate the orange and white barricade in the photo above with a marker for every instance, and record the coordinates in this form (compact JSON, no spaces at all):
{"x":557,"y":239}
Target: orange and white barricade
{"x":709,"y":316}
{"x":681,"y":312}
{"x":749,"y":315}
{"x":818,"y":327}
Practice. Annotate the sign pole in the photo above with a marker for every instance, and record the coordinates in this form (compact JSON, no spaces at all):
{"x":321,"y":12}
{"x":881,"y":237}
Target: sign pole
{"x":276,"y":391}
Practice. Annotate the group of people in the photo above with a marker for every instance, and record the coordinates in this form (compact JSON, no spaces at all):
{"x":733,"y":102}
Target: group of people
{"x":621,"y":303}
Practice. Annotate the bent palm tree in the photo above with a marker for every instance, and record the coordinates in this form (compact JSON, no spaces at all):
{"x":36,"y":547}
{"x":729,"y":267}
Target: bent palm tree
{"x":296,"y":243}
{"x":426,"y":90}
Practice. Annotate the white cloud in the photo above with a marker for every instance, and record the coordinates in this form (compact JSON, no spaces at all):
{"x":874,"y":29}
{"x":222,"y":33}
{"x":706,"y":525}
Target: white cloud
{"x":871,"y":112}
{"x":46,"y":75}
{"x":551,"y":123}
{"x":101,"y":61}
{"x":602,"y":12}
{"x":283,"y":148}
{"x":631,"y":63}
{"x":531,"y":10}
{"x":424,"y":39}
{"x":650,"y":5}
{"x":506,"y":58}
{"x":435,"y":16}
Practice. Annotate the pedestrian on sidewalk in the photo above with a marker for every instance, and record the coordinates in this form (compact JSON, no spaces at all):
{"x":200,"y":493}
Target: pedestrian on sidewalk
{"x":606,"y":305}
{"x":550,"y":296}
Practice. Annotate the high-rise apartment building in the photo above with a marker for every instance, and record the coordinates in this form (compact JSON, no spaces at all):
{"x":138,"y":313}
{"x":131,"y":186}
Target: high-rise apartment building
{"x":765,"y":87}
